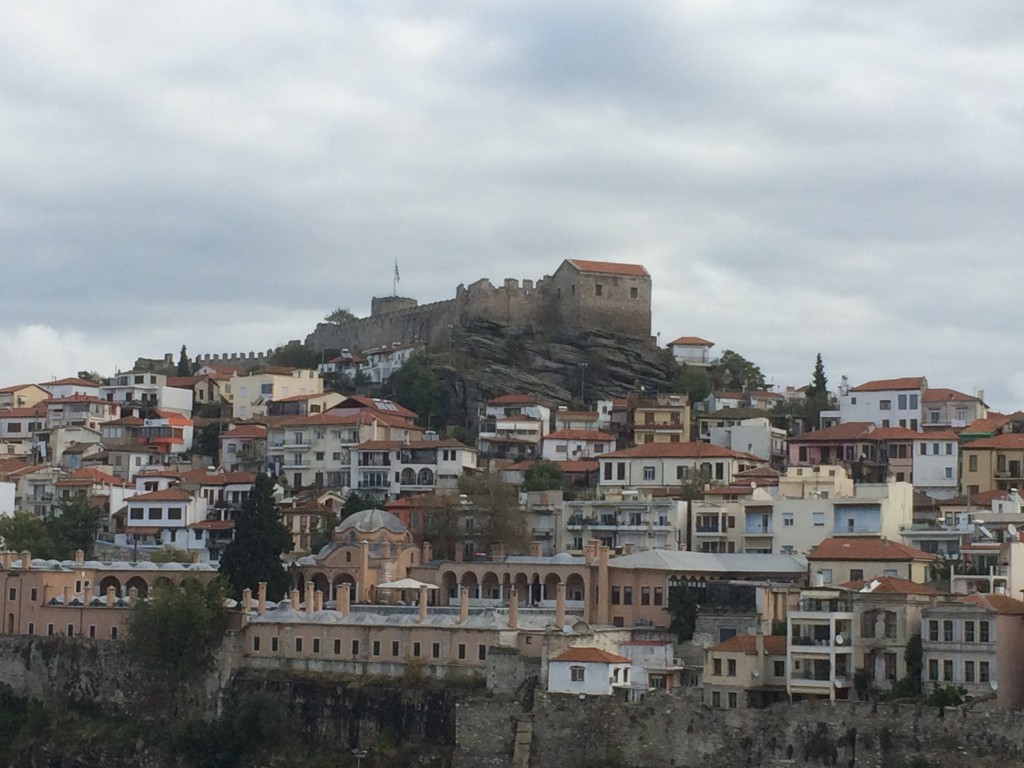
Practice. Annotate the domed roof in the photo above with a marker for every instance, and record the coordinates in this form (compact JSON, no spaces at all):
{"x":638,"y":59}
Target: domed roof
{"x":370,"y":520}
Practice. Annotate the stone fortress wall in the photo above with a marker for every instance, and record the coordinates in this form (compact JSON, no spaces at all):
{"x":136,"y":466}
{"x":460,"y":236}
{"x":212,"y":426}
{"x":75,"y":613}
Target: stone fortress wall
{"x":568,"y":300}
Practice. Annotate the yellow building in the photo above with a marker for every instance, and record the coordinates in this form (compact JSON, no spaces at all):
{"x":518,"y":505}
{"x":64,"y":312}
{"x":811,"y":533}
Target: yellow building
{"x":664,"y":418}
{"x":992,"y":464}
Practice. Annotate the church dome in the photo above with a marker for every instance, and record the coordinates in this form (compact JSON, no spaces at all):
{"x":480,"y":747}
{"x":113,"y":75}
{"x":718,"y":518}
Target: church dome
{"x":371,"y":521}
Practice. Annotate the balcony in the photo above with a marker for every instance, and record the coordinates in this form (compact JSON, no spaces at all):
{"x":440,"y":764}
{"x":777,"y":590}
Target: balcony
{"x":295,"y":466}
{"x":374,"y":461}
{"x":373,"y":484}
{"x":707,"y":528}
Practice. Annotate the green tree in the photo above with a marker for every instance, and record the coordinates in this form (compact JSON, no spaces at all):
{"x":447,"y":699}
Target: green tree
{"x":692,"y":381}
{"x":339,"y":316}
{"x":23,"y":531}
{"x":294,"y":354}
{"x":207,"y":442}
{"x":173,"y":634}
{"x":356,"y":503}
{"x":260,"y":540}
{"x":682,"y":611}
{"x":74,"y":526}
{"x":170,"y":555}
{"x":544,"y":476}
{"x":819,"y":382}
{"x":735,"y":372}
{"x":184,"y":364}
{"x":494,"y":506}
{"x":418,"y":388}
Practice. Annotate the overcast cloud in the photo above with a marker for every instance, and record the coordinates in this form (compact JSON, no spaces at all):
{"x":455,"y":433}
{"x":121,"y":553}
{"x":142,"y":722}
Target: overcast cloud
{"x":797,"y":176}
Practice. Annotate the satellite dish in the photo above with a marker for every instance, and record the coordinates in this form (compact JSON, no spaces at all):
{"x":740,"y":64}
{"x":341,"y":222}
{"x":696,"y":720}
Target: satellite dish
{"x":1012,"y":530}
{"x":839,"y":638}
{"x":567,"y":629}
{"x":994,"y":685}
{"x":753,"y":484}
{"x":755,"y":673}
{"x":986,"y":532}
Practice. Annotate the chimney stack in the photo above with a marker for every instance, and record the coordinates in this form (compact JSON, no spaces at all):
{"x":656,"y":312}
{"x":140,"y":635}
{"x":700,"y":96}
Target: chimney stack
{"x":513,"y":608}
{"x":423,"y":603}
{"x":560,"y":606}
{"x":67,"y":596}
{"x":87,"y":597}
{"x":464,"y":604}
{"x":318,"y":600}
{"x":79,"y":557}
{"x":261,"y":597}
{"x":295,"y":599}
{"x":309,"y":597}
{"x":133,"y":595}
{"x":536,"y":549}
{"x":428,"y":552}
{"x":246,"y":601}
{"x":26,"y":560}
{"x":343,"y":599}
{"x":111,"y":597}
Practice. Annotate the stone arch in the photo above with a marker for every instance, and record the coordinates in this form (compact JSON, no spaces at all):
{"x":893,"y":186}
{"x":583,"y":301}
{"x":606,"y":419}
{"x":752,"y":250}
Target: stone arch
{"x":105,"y":583}
{"x":551,"y":582}
{"x":450,"y":585}
{"x":490,"y":586}
{"x":522,"y":584}
{"x":408,"y":476}
{"x":425,"y":477}
{"x":470,"y":581}
{"x":162,"y":581}
{"x":138,"y":583}
{"x":342,"y":581}
{"x":320,"y":582}
{"x":575,"y":588}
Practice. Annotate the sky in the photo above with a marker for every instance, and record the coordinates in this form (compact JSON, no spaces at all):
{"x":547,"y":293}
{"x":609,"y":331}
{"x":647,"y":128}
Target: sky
{"x":797,"y":176}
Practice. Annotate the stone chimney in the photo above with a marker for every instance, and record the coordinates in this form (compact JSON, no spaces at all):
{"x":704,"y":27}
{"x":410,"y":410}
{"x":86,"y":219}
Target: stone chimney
{"x":47,"y":589}
{"x":428,"y":552}
{"x":87,"y":597}
{"x":464,"y":604}
{"x":343,"y":598}
{"x":423,"y":603}
{"x":26,"y":560}
{"x":498,"y":553}
{"x":246,"y":601}
{"x":133,"y":595}
{"x":513,"y":608}
{"x":560,"y":606}
{"x":628,"y":549}
{"x":536,"y":549}
{"x":111,"y":597}
{"x":309,"y":597}
{"x":318,"y":600}
{"x":196,"y":556}
{"x":79,"y":557}
{"x":67,"y":596}
{"x":458,"y":554}
{"x":261,"y":597}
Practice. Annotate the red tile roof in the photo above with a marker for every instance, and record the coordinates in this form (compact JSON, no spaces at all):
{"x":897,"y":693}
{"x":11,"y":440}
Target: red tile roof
{"x":14,"y":388}
{"x":33,"y":412}
{"x":302,"y":398}
{"x":692,"y":341}
{"x":72,"y":381}
{"x":168,"y":494}
{"x":891,"y":434}
{"x":676,"y":451}
{"x":866,"y":548}
{"x":988,"y":424}
{"x":939,"y":434}
{"x":943,"y":395}
{"x":183,"y":382}
{"x":513,"y":400}
{"x":91,"y":476}
{"x":882,"y":385}
{"x":890,"y":584}
{"x":203,"y":477}
{"x":609,"y":267}
{"x":577,"y":416}
{"x":996,"y":603}
{"x":579,"y":466}
{"x":378,"y":405}
{"x":246,"y":431}
{"x":591,"y":655}
{"x":580,"y":434}
{"x":213,"y":525}
{"x":851,"y":430}
{"x":774,"y":645}
{"x":1009,"y":441}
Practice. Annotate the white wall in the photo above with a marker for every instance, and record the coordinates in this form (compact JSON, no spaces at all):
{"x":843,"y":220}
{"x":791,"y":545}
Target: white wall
{"x":596,"y":680}
{"x":7,"y":498}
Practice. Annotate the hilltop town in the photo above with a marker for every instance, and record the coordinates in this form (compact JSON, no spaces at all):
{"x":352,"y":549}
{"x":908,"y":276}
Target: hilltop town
{"x":745,"y":547}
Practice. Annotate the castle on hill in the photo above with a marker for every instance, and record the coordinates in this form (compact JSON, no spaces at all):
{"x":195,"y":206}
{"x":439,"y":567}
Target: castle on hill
{"x":580,"y":295}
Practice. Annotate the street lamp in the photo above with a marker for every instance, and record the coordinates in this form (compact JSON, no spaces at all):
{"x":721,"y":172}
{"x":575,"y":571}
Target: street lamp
{"x":583,"y":378}
{"x":358,"y":754}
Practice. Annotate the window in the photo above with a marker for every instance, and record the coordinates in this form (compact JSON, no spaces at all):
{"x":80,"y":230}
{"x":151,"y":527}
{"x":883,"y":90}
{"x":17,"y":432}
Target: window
{"x":949,"y":449}
{"x":933,"y":669}
{"x":645,"y":595}
{"x":634,"y":293}
{"x":298,"y":645}
{"x":659,"y":596}
{"x":598,"y":289}
{"x":947,"y":669}
{"x":577,"y":674}
{"x":71,"y":630}
{"x":648,"y":473}
{"x":983,"y":631}
{"x":968,"y":631}
{"x":355,"y":648}
{"x":716,"y":699}
{"x":174,"y":513}
{"x":972,"y":463}
{"x":135,"y":513}
{"x":968,"y":671}
{"x":901,"y":402}
{"x":947,"y":631}
{"x":890,"y":572}
{"x":620,"y":471}
{"x":826,"y":575}
{"x":256,"y":643}
{"x":462,"y":650}
{"x":856,"y":574}
{"x":33,"y":594}
{"x":481,"y":652}
{"x":12,"y":593}
{"x":337,"y":647}
{"x":933,"y":630}
{"x":924,"y":449}
{"x":818,"y":518}
{"x":376,"y":647}
{"x":273,"y":644}
{"x":31,"y":628}
{"x":316,"y":645}
{"x":394,"y":647}
{"x":779,"y":669}
{"x":416,"y":649}
{"x":435,"y":650}
{"x":885,"y":405}
{"x":731,"y":668}
{"x":983,"y":671}
{"x":949,"y":473}
{"x":616,"y":595}
{"x":627,"y":595}
{"x":733,"y":700}
{"x":787,"y":519}
{"x":913,"y":403}
{"x":717,"y":666}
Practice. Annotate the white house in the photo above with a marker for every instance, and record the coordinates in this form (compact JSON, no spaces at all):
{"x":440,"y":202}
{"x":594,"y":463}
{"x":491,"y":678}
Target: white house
{"x":162,"y":518}
{"x":692,"y":350}
{"x":575,"y":444}
{"x":661,"y":465}
{"x":587,"y":671}
{"x":137,"y":389}
{"x":756,"y":436}
{"x":72,"y":386}
{"x":512,"y":427}
{"x":936,"y":464}
{"x":389,"y":468}
{"x":884,"y":402}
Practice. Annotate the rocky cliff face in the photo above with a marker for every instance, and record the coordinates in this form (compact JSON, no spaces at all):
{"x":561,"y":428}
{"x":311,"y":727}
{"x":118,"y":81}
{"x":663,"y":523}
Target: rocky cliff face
{"x":487,"y":359}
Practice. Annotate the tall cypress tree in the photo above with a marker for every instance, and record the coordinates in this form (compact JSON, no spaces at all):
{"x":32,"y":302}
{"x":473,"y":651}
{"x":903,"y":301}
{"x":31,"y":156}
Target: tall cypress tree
{"x":819,"y":382}
{"x":260,"y":540}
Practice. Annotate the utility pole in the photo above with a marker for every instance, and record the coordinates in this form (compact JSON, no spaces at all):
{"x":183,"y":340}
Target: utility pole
{"x":583,"y":379}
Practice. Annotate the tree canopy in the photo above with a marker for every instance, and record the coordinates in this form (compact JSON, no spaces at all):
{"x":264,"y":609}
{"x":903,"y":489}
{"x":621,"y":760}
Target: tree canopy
{"x":544,"y":475}
{"x":692,"y":381}
{"x":418,"y":388}
{"x":260,"y":539}
{"x":184,"y":364}
{"x":339,"y":316}
{"x":71,"y":527}
{"x":819,"y":382}
{"x":736,"y":373}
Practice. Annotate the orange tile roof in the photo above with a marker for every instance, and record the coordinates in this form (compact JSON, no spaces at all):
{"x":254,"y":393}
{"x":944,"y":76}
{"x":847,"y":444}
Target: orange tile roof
{"x":203,"y":477}
{"x":676,"y":451}
{"x":989,"y":423}
{"x":246,"y":431}
{"x":774,"y":645}
{"x":882,"y":385}
{"x":579,"y":466}
{"x":890,"y":584}
{"x":390,"y":408}
{"x":1010,"y":441}
{"x":8,"y":465}
{"x":213,"y":525}
{"x":939,"y":434}
{"x":609,"y":267}
{"x":577,"y":416}
{"x":14,"y":388}
{"x":33,"y":412}
{"x":168,"y":494}
{"x":302,"y":398}
{"x":851,"y":430}
{"x":73,"y":381}
{"x":580,"y":434}
{"x":996,"y":603}
{"x":91,"y":476}
{"x":856,"y":548}
{"x":894,"y":433}
{"x":183,"y":382}
{"x":692,"y":341}
{"x":943,"y":395}
{"x":513,"y":400}
{"x":590,"y":655}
